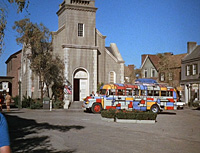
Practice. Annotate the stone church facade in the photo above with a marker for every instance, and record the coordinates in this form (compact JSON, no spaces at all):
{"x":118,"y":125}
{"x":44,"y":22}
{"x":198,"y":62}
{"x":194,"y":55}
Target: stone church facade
{"x":82,"y":48}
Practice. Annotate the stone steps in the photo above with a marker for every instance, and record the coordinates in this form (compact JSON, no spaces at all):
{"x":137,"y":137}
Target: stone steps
{"x":76,"y":106}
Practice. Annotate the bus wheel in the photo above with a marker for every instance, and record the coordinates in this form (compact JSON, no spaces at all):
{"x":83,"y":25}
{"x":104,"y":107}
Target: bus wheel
{"x":155,"y":109}
{"x":96,"y":108}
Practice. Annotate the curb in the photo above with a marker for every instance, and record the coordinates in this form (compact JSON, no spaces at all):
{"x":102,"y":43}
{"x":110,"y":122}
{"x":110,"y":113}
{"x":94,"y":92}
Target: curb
{"x":135,"y":121}
{"x":128,"y":121}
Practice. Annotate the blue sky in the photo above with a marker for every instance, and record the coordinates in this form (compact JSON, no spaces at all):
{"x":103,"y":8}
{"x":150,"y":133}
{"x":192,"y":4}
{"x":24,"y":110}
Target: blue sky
{"x":136,"y":26}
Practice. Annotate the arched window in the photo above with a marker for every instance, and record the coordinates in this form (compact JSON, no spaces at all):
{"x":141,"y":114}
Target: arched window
{"x":112,"y":77}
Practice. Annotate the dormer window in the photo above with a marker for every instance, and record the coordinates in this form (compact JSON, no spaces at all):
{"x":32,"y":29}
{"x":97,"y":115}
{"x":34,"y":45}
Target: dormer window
{"x":80,"y":29}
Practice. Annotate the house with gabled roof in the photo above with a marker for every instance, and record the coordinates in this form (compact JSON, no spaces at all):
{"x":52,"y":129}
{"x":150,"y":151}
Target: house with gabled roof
{"x":149,"y":67}
{"x":190,"y":73}
{"x":164,"y":68}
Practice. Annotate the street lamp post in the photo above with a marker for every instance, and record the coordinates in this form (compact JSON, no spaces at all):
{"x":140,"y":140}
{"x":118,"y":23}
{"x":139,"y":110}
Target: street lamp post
{"x":20,"y":101}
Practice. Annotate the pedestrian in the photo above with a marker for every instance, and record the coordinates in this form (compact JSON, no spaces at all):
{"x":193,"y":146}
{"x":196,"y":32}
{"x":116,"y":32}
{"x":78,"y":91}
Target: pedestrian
{"x":4,"y":136}
{"x":97,"y":94}
{"x":8,"y":100}
{"x":1,"y":105}
{"x":92,"y":94}
{"x":1,"y":102}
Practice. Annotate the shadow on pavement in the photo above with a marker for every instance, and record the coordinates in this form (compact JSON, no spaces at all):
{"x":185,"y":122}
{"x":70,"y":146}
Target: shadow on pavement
{"x":22,"y":136}
{"x":198,"y":108}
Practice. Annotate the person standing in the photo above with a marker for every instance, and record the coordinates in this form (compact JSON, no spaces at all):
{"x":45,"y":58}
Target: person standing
{"x":8,"y":100}
{"x":1,"y":102}
{"x":97,"y":94}
{"x":4,"y":136}
{"x":92,"y":94}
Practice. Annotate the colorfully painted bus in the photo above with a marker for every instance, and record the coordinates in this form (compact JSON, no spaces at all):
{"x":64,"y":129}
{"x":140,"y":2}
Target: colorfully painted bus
{"x":132,"y":97}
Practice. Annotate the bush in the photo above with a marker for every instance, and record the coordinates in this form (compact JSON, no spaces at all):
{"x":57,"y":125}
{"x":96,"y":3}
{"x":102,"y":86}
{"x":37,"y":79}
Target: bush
{"x":16,"y":101}
{"x":31,"y":103}
{"x":26,"y":102}
{"x":36,"y":104}
{"x":58,"y":104}
{"x":124,"y":114}
{"x":110,"y":113}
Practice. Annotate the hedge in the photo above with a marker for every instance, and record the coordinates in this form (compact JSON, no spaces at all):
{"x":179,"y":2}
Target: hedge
{"x":125,"y":114}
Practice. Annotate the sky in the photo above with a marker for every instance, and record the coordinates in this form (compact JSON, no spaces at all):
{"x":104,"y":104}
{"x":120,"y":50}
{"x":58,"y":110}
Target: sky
{"x":136,"y":26}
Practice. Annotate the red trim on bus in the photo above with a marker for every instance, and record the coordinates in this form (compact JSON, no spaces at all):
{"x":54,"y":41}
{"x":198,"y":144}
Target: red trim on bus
{"x":110,"y":107}
{"x":98,"y":100}
{"x":171,"y":100}
{"x":150,"y":99}
{"x":142,"y":101}
{"x":118,"y":105}
{"x":170,"y":108}
{"x":130,"y":105}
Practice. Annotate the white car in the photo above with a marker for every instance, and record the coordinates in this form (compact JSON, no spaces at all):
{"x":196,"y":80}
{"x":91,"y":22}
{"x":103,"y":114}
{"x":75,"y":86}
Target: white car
{"x":180,"y":104}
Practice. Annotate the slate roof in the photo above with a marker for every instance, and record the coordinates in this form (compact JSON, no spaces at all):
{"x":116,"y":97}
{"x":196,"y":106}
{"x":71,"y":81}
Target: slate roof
{"x":110,"y":50}
{"x":195,"y":54}
{"x":153,"y":58}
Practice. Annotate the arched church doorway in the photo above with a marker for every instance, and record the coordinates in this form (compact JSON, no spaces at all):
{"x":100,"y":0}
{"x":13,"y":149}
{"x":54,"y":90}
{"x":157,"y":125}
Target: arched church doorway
{"x":80,"y":84}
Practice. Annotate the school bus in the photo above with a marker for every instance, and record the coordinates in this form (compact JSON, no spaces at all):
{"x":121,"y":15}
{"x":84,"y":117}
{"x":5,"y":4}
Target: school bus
{"x":132,"y":97}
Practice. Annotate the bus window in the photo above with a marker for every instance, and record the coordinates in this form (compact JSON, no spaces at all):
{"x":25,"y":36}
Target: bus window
{"x":170,"y":93}
{"x":142,"y":92}
{"x":129,"y":92}
{"x":163,"y":93}
{"x":156,"y":93}
{"x":112,"y":92}
{"x":149,"y":93}
{"x":120,"y":92}
{"x":135,"y":92}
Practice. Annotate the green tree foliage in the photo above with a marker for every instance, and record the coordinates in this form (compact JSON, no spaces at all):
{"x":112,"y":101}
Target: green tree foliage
{"x":21,"y":4}
{"x":131,"y":74}
{"x":38,"y":39}
{"x":3,"y":23}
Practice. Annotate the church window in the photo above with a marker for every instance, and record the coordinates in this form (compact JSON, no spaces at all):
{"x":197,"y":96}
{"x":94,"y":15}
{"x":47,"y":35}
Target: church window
{"x":80,"y":29}
{"x":112,"y":77}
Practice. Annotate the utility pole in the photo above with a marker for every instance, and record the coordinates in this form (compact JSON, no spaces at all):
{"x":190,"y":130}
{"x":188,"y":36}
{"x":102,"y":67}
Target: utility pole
{"x":20,"y":101}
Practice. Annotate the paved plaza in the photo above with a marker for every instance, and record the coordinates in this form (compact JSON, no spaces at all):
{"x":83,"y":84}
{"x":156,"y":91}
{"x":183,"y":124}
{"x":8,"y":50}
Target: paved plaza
{"x":68,"y":131}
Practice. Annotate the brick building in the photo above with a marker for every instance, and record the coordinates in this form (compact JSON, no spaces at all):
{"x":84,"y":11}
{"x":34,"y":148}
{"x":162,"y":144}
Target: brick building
{"x":13,"y":71}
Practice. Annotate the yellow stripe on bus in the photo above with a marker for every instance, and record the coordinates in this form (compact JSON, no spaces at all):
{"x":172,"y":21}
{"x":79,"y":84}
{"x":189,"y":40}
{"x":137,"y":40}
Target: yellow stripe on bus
{"x":129,"y":98}
{"x":149,"y":104}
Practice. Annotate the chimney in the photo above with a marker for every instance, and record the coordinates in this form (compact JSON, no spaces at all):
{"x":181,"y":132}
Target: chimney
{"x":168,"y":53}
{"x":131,"y":67}
{"x":191,"y":46}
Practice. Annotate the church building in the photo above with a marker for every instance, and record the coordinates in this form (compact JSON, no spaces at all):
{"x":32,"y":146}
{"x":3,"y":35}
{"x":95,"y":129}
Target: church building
{"x":82,"y":48}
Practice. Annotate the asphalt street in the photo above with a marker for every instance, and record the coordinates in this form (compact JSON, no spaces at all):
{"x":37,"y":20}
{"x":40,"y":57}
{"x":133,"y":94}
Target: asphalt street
{"x":68,"y":131}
